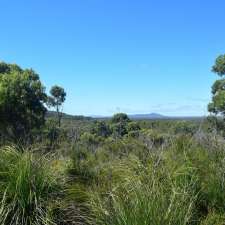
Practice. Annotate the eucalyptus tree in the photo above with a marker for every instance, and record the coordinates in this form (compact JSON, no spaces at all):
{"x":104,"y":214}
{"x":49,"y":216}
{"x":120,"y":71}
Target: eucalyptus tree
{"x":22,"y":100}
{"x":217,"y":106}
{"x":56,"y":100}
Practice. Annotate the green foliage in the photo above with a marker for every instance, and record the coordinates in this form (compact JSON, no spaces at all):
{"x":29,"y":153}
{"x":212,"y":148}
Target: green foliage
{"x":133,"y":126}
{"x":219,"y":66}
{"x":90,"y":141}
{"x":119,"y":129}
{"x":119,"y":123}
{"x":217,"y":105}
{"x":214,"y":219}
{"x":57,"y":98}
{"x":151,"y":138}
{"x":184,"y":127}
{"x":120,"y":117}
{"x":206,"y":166}
{"x":215,"y":124}
{"x":26,"y":186}
{"x":59,"y":95}
{"x":152,"y":178}
{"x":51,"y":133}
{"x":22,"y":98}
{"x":133,"y":197}
{"x":218,"y":85}
{"x":109,"y":172}
{"x":101,"y":128}
{"x":182,"y":185}
{"x":140,"y":203}
{"x":8,"y":68}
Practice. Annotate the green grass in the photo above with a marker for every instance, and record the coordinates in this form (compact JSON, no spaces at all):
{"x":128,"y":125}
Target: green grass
{"x":182,"y":184}
{"x":26,"y":186}
{"x":140,"y":196}
{"x":118,"y":182}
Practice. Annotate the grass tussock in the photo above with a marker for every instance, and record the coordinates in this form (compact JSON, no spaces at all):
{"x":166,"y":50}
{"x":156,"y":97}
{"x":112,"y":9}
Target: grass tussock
{"x":26,"y":186}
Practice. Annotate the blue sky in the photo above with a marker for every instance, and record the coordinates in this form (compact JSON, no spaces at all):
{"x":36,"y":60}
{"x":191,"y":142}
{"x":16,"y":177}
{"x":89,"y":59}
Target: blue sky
{"x":135,"y":56}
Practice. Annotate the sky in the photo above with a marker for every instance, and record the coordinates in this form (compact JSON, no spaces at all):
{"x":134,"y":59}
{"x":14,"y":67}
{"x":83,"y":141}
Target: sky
{"x":132,"y":56}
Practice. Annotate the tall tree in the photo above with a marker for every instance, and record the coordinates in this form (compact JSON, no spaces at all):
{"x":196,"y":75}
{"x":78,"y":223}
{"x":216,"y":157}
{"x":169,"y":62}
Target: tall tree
{"x":217,"y":105}
{"x":57,"y":98}
{"x":22,"y":100}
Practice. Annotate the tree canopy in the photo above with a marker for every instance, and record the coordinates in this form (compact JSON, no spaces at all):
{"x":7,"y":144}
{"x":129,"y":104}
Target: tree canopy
{"x":219,"y":66}
{"x":120,"y":117}
{"x":217,"y":105}
{"x":57,"y":98}
{"x":22,"y":100}
{"x":119,"y":123}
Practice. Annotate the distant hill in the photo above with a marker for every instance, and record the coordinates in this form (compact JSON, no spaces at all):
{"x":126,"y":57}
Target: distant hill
{"x":148,"y":116}
{"x":154,"y":116}
{"x":52,"y":114}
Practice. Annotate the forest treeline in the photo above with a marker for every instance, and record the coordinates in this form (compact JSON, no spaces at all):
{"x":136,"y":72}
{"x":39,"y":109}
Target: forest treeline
{"x":60,"y":170}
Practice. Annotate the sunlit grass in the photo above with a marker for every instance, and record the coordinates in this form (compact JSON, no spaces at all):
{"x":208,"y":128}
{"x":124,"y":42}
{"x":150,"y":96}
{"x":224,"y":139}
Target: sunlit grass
{"x":26,"y":185}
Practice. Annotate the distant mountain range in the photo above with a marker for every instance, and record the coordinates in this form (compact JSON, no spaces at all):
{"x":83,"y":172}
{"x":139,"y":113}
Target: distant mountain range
{"x":136,"y":116}
{"x":149,"y":116}
{"x":153,"y":116}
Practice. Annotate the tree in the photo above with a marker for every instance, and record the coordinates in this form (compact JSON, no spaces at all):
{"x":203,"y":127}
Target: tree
{"x":7,"y":68}
{"x":22,"y":100}
{"x":57,"y":98}
{"x":217,"y":105}
{"x":219,"y":66}
{"x":119,"y":124}
{"x":120,"y":117}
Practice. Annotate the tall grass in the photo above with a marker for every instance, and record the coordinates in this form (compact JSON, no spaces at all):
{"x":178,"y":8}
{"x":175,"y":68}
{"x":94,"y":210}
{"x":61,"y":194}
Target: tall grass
{"x":142,"y":199}
{"x":120,"y":182}
{"x":26,"y":186}
{"x":182,"y":184}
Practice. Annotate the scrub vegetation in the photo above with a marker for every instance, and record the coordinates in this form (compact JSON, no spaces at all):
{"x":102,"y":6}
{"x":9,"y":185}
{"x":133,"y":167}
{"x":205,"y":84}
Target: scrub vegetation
{"x":57,"y":169}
